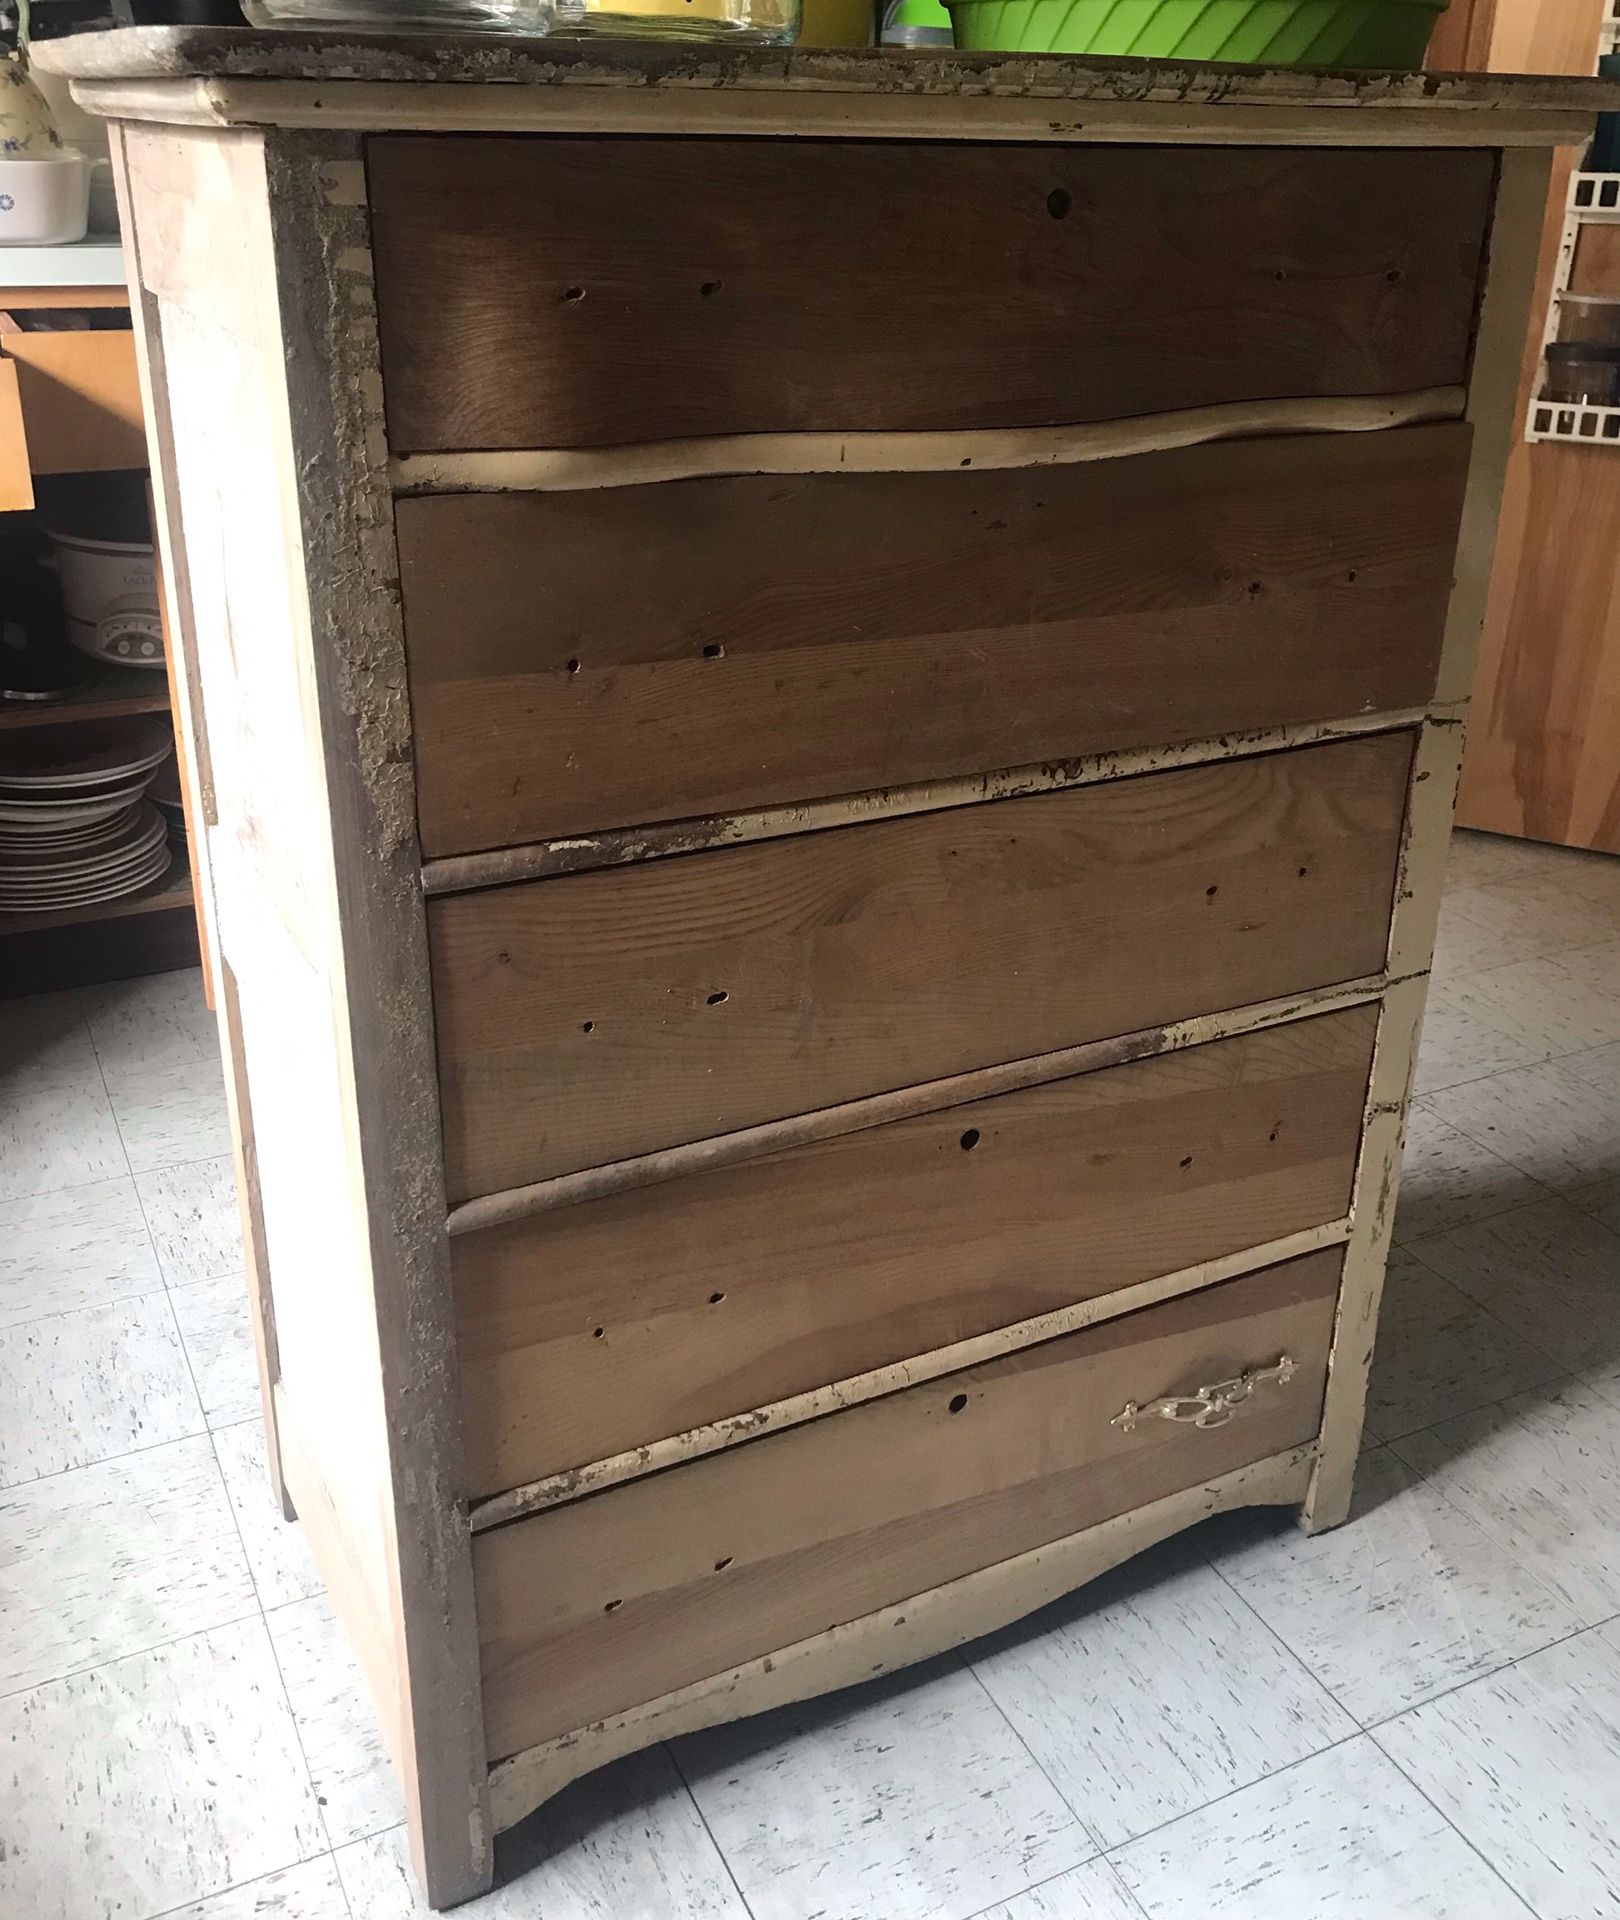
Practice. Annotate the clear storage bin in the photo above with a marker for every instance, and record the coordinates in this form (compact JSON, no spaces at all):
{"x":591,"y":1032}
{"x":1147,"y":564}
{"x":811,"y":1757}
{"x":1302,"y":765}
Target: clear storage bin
{"x":743,"y":22}
{"x":401,"y":16}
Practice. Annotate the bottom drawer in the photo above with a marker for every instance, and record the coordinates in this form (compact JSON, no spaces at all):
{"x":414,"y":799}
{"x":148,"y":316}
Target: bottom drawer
{"x":629,"y":1594}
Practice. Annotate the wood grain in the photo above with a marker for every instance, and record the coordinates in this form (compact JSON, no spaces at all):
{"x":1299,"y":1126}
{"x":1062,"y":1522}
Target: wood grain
{"x":599,"y":1015}
{"x":1492,"y":410}
{"x":1462,"y":39}
{"x":1543,"y":757}
{"x":16,"y":476}
{"x":254,"y":275}
{"x":81,"y":400}
{"x":582,"y":661}
{"x":615,"y":1600}
{"x":642,"y":290}
{"x":1544,"y":750}
{"x":609,"y":1325}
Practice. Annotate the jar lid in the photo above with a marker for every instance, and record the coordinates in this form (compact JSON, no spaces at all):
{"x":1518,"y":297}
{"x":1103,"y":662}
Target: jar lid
{"x":1566,"y":352}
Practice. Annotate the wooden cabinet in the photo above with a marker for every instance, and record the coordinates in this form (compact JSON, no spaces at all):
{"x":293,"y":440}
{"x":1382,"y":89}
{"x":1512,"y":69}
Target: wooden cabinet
{"x":825,"y":850}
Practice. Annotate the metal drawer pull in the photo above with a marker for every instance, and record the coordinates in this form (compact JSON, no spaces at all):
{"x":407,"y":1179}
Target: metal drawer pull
{"x":1211,"y":1406}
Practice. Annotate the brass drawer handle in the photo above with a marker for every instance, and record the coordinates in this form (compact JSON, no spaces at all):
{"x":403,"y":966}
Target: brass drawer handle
{"x":1211,"y":1406}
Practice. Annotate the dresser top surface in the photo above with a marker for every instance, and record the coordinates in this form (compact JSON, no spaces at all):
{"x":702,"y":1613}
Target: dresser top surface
{"x":130,"y":70}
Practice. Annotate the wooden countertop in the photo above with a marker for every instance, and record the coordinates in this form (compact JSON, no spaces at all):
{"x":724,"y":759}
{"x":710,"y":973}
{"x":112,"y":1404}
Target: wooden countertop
{"x":225,"y":76}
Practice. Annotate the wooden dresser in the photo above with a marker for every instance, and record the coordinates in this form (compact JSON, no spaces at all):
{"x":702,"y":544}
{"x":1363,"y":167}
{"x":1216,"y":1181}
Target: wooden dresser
{"x":827,"y":762}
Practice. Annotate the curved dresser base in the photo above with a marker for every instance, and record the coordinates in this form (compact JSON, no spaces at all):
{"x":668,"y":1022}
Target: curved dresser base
{"x":897,"y":1636}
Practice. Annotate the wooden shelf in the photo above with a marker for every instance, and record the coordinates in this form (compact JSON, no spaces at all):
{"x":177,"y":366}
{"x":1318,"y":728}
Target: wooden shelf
{"x":93,"y":264}
{"x":172,"y":890}
{"x":112,"y":691}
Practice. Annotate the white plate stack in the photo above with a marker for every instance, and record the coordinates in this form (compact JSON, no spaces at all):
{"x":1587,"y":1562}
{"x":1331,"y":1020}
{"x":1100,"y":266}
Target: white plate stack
{"x":76,"y":828}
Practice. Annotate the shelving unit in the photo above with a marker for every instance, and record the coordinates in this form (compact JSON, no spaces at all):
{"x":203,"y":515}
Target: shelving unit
{"x":112,"y":692}
{"x":74,"y":408}
{"x":1593,"y":200}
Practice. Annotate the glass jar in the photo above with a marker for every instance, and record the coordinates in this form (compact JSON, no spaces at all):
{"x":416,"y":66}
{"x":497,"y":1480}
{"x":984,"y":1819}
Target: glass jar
{"x":770,"y":23}
{"x":1582,"y":373}
{"x":406,"y":16}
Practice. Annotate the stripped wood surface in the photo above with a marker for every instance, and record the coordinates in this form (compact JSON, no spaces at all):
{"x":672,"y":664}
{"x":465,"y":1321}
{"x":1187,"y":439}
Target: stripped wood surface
{"x":557,"y":1489}
{"x":583,"y":661}
{"x":606,"y":1326}
{"x":259,"y":293}
{"x":890,"y":1637}
{"x":589,"y":1018}
{"x":597,"y":1606}
{"x":880,"y":1109}
{"x":622,"y":846}
{"x":646,"y":290}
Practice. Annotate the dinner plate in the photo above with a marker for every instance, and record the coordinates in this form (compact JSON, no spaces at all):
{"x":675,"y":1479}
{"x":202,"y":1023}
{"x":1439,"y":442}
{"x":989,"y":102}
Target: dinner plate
{"x":139,"y":833}
{"x":47,"y":834}
{"x":102,"y":751}
{"x":64,"y":813}
{"x":151,"y":868}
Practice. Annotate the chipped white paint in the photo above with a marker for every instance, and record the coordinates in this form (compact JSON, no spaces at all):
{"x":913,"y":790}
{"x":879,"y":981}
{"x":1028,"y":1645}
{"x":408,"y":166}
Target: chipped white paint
{"x":570,"y":469}
{"x":1492,"y":405}
{"x":460,"y":872}
{"x":730,"y":1432}
{"x":874,"y":1110}
{"x":896,"y":1636}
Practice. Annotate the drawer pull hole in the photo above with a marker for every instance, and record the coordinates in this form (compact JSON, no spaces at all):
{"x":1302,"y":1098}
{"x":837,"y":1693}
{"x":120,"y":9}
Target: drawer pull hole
{"x":1187,"y":1162}
{"x":1058,"y":203}
{"x":970,"y":1139}
{"x":1216,"y":1405}
{"x":709,"y":289}
{"x":957,"y":1402}
{"x":721,"y":1565}
{"x":1210,"y":892}
{"x":715,"y":1299}
{"x":588,"y":1026}
{"x":597,"y":1332}
{"x":716,"y":998}
{"x":573,"y":666}
{"x":613,"y":1606}
{"x":571,"y":294}
{"x":713,"y":651}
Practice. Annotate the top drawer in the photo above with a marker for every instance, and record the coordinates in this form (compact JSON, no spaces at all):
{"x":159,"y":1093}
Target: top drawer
{"x":544,"y":291}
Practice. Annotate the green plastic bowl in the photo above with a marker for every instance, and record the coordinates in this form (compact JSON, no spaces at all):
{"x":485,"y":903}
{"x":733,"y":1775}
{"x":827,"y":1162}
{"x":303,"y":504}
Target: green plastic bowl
{"x":1272,"y":33}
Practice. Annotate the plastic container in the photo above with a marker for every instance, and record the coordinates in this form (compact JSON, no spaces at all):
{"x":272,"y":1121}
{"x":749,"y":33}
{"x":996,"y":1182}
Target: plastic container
{"x":1589,"y":318}
{"x":916,"y":23}
{"x":44,"y":199}
{"x":1582,"y":373}
{"x":1276,"y":33}
{"x":770,"y":23}
{"x":400,"y":16}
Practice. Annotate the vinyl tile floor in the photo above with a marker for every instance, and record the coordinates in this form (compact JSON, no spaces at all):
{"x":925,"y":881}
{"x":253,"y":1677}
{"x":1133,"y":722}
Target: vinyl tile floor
{"x":1414,"y":1718}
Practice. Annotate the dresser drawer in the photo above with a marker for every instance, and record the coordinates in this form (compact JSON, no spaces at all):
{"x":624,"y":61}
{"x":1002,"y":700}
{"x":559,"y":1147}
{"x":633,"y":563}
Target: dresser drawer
{"x":591,"y":1017}
{"x":581,"y":661}
{"x":603,"y":1326}
{"x":625,"y":1596}
{"x":550,"y":291}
